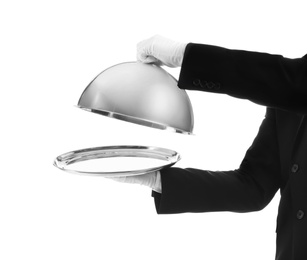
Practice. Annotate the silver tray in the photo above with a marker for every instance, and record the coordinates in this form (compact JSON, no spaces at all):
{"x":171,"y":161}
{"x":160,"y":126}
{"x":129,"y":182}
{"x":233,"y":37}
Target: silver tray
{"x":167,"y":157}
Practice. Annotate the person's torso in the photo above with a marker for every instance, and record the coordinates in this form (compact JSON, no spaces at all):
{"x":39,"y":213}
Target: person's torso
{"x":292,"y":215}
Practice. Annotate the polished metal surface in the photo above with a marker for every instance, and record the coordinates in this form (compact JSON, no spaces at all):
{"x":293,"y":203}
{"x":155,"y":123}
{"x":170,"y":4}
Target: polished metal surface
{"x":165,"y":155}
{"x":140,"y":93}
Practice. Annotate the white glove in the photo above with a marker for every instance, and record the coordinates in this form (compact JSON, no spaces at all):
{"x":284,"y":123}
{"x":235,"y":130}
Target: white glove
{"x":161,"y":51}
{"x":152,"y":180}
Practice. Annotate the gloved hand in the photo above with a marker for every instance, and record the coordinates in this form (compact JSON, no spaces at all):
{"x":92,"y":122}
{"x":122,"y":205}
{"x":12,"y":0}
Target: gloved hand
{"x":152,"y":180}
{"x":161,"y":51}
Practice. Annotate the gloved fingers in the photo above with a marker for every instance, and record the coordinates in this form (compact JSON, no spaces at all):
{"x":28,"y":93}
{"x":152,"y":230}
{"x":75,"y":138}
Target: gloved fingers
{"x":118,"y":179}
{"x":161,"y":51}
{"x":150,"y":60}
{"x":145,"y":52}
{"x":152,"y":180}
{"x":127,"y":179}
{"x":135,"y":179}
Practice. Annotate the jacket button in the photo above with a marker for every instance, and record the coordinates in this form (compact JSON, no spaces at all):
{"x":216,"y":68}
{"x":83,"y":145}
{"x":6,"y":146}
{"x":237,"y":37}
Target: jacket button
{"x":300,"y":214}
{"x":294,"y":168}
{"x":210,"y":85}
{"x":203,"y":84}
{"x":217,"y":86}
{"x":196,"y":82}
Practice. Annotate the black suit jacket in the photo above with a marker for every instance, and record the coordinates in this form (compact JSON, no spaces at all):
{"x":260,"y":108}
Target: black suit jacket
{"x":277,"y":159}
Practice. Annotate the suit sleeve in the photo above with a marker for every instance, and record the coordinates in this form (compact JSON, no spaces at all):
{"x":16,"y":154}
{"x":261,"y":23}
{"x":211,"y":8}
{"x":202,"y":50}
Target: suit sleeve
{"x":249,"y":188}
{"x":266,"y":79}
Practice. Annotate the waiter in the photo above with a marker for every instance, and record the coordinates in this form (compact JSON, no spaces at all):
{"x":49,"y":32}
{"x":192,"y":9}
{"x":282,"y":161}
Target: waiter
{"x":276,"y":160}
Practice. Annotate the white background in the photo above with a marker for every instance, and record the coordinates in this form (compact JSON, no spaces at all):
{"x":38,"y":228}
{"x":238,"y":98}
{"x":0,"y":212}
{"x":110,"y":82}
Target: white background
{"x":50,"y":51}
